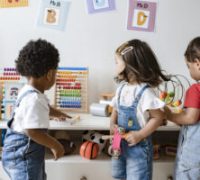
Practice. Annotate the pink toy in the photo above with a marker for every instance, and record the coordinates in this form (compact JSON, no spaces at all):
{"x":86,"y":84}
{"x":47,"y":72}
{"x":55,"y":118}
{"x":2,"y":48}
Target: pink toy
{"x":119,"y":134}
{"x":116,"y":143}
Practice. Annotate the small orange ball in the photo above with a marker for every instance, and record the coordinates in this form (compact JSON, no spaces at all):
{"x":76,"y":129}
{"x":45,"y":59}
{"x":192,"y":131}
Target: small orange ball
{"x":89,"y":150}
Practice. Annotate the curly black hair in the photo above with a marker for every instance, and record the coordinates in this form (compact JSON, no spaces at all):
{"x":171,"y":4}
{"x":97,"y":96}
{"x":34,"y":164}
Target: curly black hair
{"x":36,"y":58}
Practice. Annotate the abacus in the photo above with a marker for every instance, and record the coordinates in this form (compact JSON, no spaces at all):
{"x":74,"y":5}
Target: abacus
{"x":10,"y":84}
{"x":71,"y":92}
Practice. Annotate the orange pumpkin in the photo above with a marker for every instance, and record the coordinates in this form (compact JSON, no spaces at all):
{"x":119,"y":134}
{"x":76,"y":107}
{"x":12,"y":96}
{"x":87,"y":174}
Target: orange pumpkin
{"x":89,"y":150}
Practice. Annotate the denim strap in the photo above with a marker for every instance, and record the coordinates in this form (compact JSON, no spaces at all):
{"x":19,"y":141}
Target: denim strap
{"x":139,"y":95}
{"x":17,"y":103}
{"x":119,"y":94}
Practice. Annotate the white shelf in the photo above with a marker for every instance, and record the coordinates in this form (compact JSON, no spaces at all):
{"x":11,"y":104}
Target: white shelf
{"x":76,"y":158}
{"x":87,"y":122}
{"x":90,"y":122}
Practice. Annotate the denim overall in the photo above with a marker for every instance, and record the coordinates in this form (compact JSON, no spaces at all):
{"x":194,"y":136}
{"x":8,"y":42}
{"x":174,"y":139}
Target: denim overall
{"x":135,"y":162}
{"x":188,"y":155}
{"x":22,"y":158}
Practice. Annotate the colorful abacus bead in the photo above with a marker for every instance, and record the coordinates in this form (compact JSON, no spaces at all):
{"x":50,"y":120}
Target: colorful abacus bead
{"x":163,"y":95}
{"x":176,"y":103}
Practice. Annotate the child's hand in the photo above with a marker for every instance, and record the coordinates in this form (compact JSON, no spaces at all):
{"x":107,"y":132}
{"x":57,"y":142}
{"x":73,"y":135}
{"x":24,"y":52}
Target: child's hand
{"x":133,"y":137}
{"x":58,"y":151}
{"x":62,"y":117}
{"x":58,"y":115}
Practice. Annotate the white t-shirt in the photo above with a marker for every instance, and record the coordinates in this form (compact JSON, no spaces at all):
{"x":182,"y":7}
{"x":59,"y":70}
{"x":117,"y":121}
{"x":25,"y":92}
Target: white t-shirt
{"x":33,"y":111}
{"x":148,"y":100}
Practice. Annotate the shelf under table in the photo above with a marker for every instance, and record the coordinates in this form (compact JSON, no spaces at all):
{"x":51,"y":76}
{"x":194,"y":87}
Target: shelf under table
{"x":90,"y":122}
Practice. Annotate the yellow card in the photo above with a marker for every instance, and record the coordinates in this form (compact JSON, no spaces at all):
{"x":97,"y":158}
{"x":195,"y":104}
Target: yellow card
{"x":13,"y":3}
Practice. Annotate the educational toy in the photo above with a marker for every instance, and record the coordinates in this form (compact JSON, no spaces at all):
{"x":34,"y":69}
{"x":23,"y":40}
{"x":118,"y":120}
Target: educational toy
{"x":10,"y":82}
{"x":71,"y":89}
{"x":173,"y":91}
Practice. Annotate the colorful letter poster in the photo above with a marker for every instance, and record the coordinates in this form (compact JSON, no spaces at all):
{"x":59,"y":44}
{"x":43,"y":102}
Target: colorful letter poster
{"x":141,"y":15}
{"x":95,"y":6}
{"x":13,"y":3}
{"x":53,"y":14}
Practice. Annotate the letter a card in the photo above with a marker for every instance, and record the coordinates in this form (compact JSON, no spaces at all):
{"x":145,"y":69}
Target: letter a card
{"x":142,"y":15}
{"x":53,"y":14}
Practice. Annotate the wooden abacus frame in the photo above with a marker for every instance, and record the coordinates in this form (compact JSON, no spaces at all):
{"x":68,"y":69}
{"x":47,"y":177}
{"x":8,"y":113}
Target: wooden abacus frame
{"x":71,"y":77}
{"x":7,"y":77}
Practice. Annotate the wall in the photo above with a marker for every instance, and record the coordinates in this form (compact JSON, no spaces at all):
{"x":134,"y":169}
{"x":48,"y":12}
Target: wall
{"x":90,"y":40}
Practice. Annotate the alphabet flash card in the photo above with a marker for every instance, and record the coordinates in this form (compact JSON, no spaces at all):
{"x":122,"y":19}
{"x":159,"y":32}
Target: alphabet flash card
{"x":53,"y":14}
{"x":141,"y":15}
{"x":13,"y":3}
{"x":95,"y":6}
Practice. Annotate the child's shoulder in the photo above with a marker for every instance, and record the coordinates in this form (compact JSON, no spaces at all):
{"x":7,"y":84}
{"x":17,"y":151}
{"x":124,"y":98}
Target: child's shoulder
{"x":135,"y":88}
{"x":149,"y":92}
{"x":120,"y":85}
{"x":32,"y":95}
{"x":195,"y":87}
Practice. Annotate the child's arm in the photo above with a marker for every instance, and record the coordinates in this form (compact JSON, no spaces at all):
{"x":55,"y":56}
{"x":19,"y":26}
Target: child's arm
{"x":46,"y":140}
{"x":57,"y":113}
{"x":156,"y":119}
{"x":186,"y":117}
{"x":113,"y":121}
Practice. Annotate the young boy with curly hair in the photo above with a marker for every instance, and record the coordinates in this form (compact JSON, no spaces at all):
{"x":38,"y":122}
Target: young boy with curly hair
{"x":26,"y":136}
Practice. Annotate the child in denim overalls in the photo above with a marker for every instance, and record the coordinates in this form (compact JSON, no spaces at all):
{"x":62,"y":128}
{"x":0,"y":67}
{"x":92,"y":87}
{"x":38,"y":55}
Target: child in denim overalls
{"x":137,"y":109}
{"x":188,"y":154}
{"x":26,"y":136}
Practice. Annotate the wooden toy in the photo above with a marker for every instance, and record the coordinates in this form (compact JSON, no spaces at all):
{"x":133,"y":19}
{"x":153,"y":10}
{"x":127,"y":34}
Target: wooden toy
{"x":174,"y":91}
{"x":71,"y":89}
{"x":89,"y":150}
{"x":106,"y":98}
{"x":10,"y":84}
{"x":74,"y":119}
